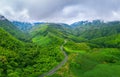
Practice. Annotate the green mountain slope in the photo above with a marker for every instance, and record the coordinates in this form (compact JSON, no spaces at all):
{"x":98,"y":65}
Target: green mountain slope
{"x":12,"y":29}
{"x":92,"y":49}
{"x":8,"y":41}
{"x":112,"y":41}
{"x":22,"y":59}
{"x":48,"y":33}
{"x":93,"y":29}
{"x":26,"y":59}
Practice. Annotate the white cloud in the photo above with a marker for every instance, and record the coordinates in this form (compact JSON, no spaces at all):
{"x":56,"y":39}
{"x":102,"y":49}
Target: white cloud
{"x":60,"y":10}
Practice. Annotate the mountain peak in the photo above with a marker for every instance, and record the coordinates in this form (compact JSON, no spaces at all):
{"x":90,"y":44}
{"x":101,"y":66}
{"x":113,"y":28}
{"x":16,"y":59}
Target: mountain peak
{"x":2,"y":17}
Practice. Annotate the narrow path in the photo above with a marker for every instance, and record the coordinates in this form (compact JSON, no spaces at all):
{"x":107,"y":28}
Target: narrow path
{"x":52,"y":71}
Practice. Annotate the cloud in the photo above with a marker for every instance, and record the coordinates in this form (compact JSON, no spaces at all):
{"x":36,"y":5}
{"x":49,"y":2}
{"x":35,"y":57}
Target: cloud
{"x":67,"y":11}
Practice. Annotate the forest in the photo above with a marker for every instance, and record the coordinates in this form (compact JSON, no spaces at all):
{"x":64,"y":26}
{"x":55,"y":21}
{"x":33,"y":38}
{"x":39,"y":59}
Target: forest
{"x":31,"y":51}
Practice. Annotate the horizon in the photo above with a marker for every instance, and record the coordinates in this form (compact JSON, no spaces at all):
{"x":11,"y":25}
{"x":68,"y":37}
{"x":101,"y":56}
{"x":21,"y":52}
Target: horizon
{"x":32,"y":22}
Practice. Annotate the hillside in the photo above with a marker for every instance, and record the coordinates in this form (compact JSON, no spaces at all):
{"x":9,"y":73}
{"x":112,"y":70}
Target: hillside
{"x":22,"y":59}
{"x":48,"y":33}
{"x":92,"y":49}
{"x":112,"y":41}
{"x":23,"y":26}
{"x":8,"y":41}
{"x":96,"y":29}
{"x":12,"y":29}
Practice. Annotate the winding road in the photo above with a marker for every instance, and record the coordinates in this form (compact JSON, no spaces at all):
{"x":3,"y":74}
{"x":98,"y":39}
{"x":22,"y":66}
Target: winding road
{"x":52,"y":71}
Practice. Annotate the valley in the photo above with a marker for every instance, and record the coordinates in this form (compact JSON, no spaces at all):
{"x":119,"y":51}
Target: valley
{"x":52,"y":71}
{"x":82,"y":49}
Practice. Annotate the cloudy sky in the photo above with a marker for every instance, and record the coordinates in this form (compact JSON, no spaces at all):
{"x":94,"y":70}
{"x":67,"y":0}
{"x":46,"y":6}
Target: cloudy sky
{"x":67,"y":11}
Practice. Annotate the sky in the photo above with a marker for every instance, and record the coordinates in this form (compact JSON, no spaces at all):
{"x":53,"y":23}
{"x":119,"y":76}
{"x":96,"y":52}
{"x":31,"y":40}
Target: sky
{"x":60,"y":11}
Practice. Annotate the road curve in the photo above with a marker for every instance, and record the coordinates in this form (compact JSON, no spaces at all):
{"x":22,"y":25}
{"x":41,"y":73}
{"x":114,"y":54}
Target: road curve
{"x":52,"y":71}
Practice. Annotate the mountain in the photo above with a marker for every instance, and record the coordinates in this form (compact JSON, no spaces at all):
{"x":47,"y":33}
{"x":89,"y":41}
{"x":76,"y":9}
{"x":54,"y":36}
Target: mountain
{"x":80,"y":23}
{"x":2,"y":18}
{"x":112,"y":41}
{"x":96,"y":29}
{"x":38,"y":23}
{"x":92,"y":48}
{"x":11,"y":28}
{"x":48,"y":33}
{"x":25,"y":26}
{"x":8,"y":41}
{"x":83,"y":23}
{"x":22,"y":59}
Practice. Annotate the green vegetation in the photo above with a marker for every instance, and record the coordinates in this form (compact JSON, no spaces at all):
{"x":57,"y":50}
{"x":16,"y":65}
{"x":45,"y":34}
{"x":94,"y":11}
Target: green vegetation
{"x":12,"y":29}
{"x":48,"y":34}
{"x":109,"y":41}
{"x":93,"y":50}
{"x":27,"y":59}
{"x":90,"y":63}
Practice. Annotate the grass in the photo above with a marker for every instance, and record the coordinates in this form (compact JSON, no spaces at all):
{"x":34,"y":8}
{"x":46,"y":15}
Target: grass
{"x":97,"y":62}
{"x":41,"y":40}
{"x":104,"y":70}
{"x":68,"y":50}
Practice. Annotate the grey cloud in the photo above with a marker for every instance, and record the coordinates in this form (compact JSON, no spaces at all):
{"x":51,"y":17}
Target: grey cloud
{"x":60,"y":10}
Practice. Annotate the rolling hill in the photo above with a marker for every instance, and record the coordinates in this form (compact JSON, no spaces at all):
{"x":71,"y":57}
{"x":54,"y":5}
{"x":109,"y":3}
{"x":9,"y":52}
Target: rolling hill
{"x":32,"y":51}
{"x":12,"y":29}
{"x":20,"y":58}
{"x":48,"y":33}
{"x":96,"y":29}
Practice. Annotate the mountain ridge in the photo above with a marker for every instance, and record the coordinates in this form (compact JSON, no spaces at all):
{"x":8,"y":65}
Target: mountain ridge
{"x":90,"y":45}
